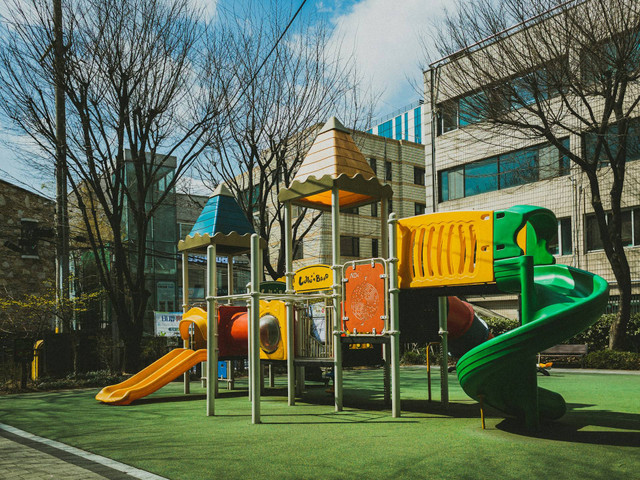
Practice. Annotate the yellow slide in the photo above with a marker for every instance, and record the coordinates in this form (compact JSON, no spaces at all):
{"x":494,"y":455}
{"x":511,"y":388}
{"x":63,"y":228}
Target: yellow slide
{"x":152,"y":378}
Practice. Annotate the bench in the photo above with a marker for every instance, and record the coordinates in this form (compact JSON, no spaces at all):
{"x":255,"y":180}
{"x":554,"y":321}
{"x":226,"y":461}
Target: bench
{"x":560,"y":352}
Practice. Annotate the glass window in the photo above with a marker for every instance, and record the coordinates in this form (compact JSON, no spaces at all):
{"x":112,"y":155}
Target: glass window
{"x":472,"y":108}
{"x":481,"y":177}
{"x":298,"y":250}
{"x":418,"y":175}
{"x":374,"y":166}
{"x":349,"y":246}
{"x":384,"y":129}
{"x":388,"y":171}
{"x":448,"y":117}
{"x":548,"y":162}
{"x":636,"y":226}
{"x":518,"y":168}
{"x":566,"y":236}
{"x":522,"y":92}
{"x":565,"y":245}
{"x":553,"y":245}
{"x":627,"y":233}
{"x":406,"y":125}
{"x":594,"y":241}
{"x":452,"y":184}
{"x":374,"y":247}
{"x":444,"y":186}
{"x":351,"y":211}
{"x":420,"y":208}
{"x":417,"y":125}
{"x":398,"y":122}
{"x":374,"y":209}
{"x":564,"y":160}
{"x":630,"y":230}
{"x":612,"y":141}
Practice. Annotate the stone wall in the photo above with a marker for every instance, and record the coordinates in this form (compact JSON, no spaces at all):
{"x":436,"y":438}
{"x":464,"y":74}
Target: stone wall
{"x":24,"y":271}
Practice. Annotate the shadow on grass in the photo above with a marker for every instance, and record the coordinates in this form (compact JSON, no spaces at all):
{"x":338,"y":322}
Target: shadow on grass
{"x":570,"y":428}
{"x":173,"y":398}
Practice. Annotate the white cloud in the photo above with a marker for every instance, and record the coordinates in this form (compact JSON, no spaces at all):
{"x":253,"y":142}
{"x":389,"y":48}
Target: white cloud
{"x":209,"y":8}
{"x":385,"y":38}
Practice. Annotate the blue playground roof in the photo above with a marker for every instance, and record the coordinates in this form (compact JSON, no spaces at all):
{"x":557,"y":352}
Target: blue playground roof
{"x":221,"y":222}
{"x":221,"y":214}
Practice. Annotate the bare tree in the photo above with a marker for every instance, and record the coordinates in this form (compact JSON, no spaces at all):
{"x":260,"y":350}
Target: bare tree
{"x":542,"y":69}
{"x":279,"y":90}
{"x":140,"y":111}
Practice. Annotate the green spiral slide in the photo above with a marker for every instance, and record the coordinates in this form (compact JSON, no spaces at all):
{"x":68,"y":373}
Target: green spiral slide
{"x":557,"y":302}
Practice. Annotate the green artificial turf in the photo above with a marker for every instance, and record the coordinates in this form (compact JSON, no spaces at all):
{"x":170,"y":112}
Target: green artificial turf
{"x":168,"y":433}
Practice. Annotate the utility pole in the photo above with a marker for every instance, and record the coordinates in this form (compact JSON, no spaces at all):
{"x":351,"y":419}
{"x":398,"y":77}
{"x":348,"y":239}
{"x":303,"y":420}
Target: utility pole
{"x":62,"y":216}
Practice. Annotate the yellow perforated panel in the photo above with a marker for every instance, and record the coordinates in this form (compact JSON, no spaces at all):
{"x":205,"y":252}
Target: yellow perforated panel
{"x":445,"y":249}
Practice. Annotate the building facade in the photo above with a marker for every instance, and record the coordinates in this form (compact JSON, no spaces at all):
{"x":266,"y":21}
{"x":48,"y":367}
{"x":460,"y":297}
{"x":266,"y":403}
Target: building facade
{"x":403,"y":124}
{"x":470,"y":166}
{"x":26,"y":241}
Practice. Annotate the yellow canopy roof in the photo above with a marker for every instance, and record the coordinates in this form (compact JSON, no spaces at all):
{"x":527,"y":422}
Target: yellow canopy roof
{"x":334,"y":160}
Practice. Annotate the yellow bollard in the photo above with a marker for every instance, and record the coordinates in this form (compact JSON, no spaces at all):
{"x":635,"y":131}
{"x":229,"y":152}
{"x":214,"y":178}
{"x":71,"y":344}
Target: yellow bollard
{"x":481,"y":399}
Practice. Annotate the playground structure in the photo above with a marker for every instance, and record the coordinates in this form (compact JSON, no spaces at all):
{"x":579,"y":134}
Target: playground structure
{"x":425,"y":259}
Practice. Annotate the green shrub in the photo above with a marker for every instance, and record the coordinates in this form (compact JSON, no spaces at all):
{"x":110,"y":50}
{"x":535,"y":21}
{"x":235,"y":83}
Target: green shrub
{"x":597,"y":336}
{"x":155,"y":347}
{"x":612,"y":360}
{"x":499,"y":325}
{"x":98,"y":379}
{"x":414,"y":357}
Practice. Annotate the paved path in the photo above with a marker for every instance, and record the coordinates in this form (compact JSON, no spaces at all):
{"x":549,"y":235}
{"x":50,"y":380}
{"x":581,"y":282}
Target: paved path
{"x":24,"y":456}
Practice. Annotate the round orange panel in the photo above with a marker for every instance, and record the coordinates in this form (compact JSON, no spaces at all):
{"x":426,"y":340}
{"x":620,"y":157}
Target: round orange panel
{"x":364,"y":298}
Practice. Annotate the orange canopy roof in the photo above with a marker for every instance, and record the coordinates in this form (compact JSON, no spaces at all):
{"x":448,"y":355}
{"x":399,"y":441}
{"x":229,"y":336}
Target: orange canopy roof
{"x":334,"y":160}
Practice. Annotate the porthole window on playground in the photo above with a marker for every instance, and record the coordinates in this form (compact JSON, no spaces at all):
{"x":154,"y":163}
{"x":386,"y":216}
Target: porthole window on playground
{"x":511,"y":169}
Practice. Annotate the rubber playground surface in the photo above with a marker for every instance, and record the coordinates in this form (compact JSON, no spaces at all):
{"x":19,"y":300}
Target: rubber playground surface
{"x":168,"y":434}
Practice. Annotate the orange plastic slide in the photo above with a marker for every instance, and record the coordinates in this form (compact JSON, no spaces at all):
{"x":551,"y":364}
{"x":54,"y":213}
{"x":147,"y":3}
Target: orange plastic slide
{"x":152,"y":378}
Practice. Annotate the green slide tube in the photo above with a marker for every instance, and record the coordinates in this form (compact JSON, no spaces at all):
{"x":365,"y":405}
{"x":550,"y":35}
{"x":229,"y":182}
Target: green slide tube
{"x":502,"y":371}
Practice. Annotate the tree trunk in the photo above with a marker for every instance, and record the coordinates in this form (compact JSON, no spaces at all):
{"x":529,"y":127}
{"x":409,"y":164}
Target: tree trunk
{"x":617,"y":334}
{"x":132,"y":340}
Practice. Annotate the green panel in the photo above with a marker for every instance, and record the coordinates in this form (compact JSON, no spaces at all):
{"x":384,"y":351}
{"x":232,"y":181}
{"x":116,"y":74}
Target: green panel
{"x":508,"y":223}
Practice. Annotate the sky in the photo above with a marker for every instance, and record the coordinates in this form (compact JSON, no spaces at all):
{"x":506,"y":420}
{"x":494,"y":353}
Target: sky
{"x":383,"y":35}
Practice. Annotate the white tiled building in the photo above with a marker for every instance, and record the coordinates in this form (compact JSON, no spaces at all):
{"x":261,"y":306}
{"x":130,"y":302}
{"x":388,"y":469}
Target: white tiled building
{"x":470,"y":168}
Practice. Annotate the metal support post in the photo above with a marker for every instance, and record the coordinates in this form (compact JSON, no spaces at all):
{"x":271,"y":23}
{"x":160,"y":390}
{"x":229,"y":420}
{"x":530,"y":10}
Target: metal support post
{"x":291,"y":373}
{"x":444,"y":334}
{"x":337,"y":320}
{"x":272,"y":382}
{"x":254,"y":318}
{"x":212,"y":331}
{"x":384,"y":247}
{"x":185,"y":307}
{"x":230,"y":285}
{"x":394,"y":311}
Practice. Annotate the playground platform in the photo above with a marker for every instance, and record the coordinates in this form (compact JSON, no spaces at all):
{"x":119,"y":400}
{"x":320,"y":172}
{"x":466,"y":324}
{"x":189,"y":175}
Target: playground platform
{"x":166,"y":434}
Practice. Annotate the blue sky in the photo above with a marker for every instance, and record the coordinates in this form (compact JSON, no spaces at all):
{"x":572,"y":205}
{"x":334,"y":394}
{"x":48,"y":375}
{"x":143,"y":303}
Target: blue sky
{"x":384,"y":36}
